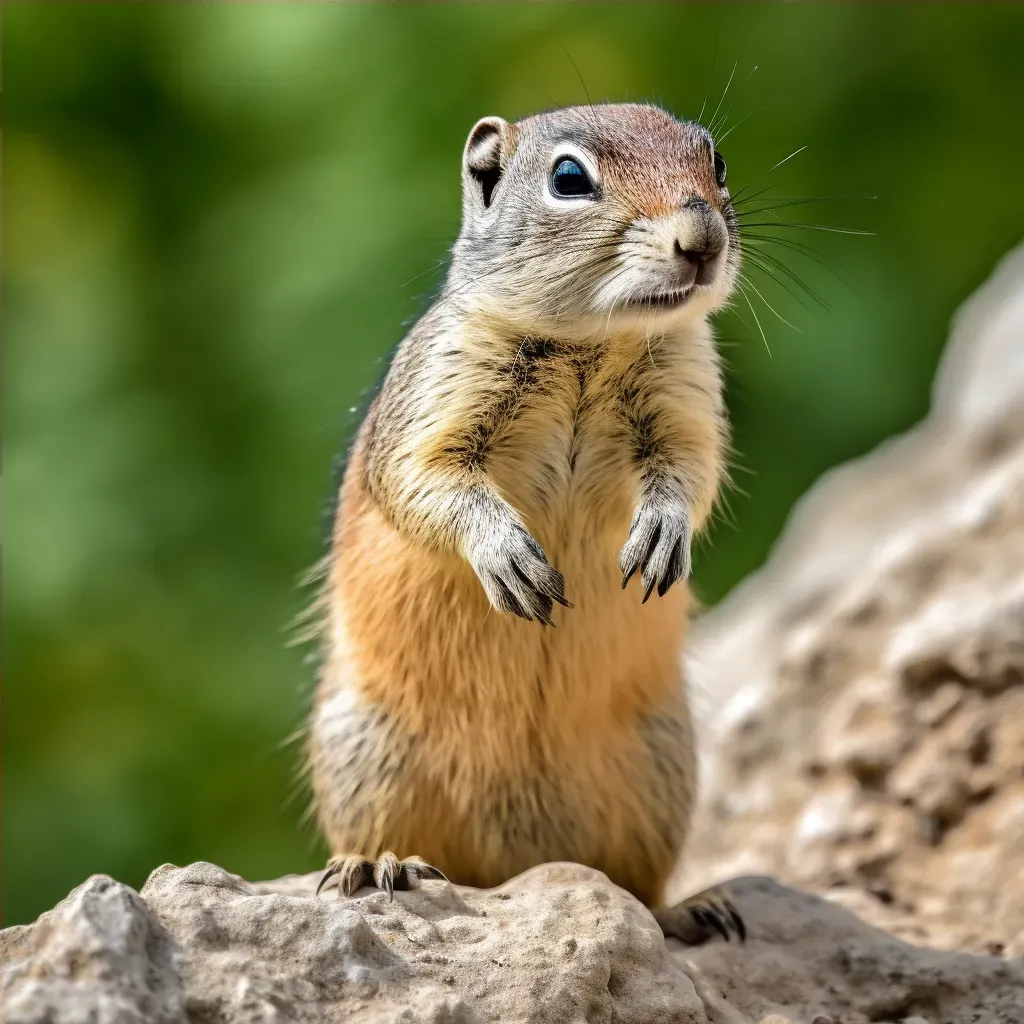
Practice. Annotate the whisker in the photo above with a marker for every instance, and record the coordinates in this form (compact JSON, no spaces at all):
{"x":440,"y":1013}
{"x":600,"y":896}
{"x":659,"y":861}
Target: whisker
{"x":736,"y":201}
{"x":804,"y":250}
{"x":808,"y":199}
{"x":765,"y":269}
{"x":788,"y":201}
{"x":771,"y":307}
{"x":544,"y":92}
{"x":745,"y":117}
{"x":739,"y":316}
{"x":586,"y":92}
{"x":772,"y":261}
{"x":437,"y":266}
{"x":754,"y":314}
{"x":711,"y":75}
{"x":809,"y":227}
{"x":774,"y":167}
{"x":724,"y":94}
{"x":720,"y":123}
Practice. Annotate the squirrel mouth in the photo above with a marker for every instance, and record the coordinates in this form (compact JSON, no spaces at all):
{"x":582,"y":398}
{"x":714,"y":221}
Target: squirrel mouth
{"x":670,"y":299}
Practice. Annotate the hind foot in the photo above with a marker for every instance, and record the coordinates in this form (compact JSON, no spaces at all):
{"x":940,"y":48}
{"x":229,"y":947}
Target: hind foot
{"x":701,"y":917}
{"x":388,"y":873}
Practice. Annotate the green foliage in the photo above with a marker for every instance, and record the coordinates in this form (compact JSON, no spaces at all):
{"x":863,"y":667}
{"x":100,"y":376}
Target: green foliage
{"x":211,"y":219}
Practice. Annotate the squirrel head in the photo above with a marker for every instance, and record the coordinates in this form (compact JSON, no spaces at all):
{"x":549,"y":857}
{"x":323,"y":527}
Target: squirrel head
{"x":597,"y":217}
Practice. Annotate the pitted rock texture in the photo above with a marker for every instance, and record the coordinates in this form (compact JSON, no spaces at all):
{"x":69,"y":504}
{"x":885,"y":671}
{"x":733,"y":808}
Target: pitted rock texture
{"x":557,"y":944}
{"x":809,"y":961}
{"x":866,"y":688}
{"x":100,"y":957}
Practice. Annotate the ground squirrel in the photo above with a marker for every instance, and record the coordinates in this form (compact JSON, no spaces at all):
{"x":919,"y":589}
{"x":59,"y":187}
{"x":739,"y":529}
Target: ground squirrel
{"x":552,"y":427}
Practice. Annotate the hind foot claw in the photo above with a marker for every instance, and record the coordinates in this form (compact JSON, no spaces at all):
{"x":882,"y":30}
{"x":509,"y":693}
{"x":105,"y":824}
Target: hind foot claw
{"x":387,"y":873}
{"x":702,"y":917}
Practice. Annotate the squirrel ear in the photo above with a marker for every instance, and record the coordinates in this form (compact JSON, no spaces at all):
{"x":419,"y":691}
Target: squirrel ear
{"x":484,"y":158}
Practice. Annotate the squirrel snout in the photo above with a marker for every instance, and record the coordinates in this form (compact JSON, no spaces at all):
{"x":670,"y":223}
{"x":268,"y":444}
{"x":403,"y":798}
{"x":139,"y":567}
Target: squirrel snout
{"x":696,"y":265}
{"x":700,"y":240}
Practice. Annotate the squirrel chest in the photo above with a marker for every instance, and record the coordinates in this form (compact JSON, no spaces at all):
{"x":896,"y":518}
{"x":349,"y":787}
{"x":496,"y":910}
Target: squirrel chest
{"x":552,"y":437}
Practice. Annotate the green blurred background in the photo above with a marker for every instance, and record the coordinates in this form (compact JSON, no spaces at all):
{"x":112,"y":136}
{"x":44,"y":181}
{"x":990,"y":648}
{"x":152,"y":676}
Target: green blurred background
{"x":211,"y":216}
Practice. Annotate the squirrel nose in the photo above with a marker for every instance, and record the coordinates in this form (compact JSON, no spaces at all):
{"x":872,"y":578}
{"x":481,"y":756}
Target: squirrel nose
{"x":700,"y":241}
{"x":697,"y":266}
{"x":694,"y":256}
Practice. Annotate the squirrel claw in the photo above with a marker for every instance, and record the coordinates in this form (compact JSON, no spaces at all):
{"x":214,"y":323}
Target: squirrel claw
{"x":387,"y":873}
{"x":702,"y":917}
{"x":517,"y":577}
{"x":658,"y":546}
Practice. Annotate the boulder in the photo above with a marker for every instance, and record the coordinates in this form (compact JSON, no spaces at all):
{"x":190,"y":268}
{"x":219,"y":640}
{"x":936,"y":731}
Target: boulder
{"x":558,"y":944}
{"x":863,"y":694}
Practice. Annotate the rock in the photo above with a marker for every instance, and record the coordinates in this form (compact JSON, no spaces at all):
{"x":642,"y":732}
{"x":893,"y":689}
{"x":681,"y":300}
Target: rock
{"x":559,"y":943}
{"x":100,"y":957}
{"x":808,"y":957}
{"x":864,"y":692}
{"x":867,"y":728}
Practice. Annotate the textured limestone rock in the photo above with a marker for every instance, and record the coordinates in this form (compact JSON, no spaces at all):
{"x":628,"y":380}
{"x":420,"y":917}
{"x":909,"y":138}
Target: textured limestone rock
{"x":100,"y":957}
{"x":809,"y":959}
{"x":558,"y":944}
{"x":866,"y":689}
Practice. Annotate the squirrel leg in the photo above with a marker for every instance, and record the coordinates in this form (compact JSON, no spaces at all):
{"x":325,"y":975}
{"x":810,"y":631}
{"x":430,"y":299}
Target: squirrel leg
{"x":701,"y":917}
{"x":388,"y":873}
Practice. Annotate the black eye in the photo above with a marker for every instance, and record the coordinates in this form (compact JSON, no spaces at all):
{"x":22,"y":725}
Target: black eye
{"x":720,"y":169}
{"x":569,"y":179}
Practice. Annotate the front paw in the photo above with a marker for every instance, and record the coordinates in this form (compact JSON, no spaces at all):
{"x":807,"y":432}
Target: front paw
{"x":658,"y":545}
{"x":517,"y":576}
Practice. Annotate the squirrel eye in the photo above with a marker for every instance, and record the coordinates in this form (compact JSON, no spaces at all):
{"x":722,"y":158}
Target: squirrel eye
{"x":720,"y":169}
{"x":569,"y":179}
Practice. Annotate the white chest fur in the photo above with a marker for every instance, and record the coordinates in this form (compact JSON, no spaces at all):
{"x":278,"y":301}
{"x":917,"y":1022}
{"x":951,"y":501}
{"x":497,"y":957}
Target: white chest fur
{"x":563,"y":456}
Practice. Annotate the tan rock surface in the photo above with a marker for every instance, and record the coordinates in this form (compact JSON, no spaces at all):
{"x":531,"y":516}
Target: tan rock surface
{"x":809,"y":960}
{"x":557,"y":944}
{"x":865,"y":691}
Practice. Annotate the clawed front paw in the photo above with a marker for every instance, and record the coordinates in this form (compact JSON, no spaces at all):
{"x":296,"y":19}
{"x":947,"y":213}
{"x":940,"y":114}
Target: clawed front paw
{"x":658,"y":545}
{"x":517,"y":576}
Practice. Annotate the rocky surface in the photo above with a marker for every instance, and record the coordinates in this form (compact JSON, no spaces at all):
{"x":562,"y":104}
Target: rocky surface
{"x":866,"y":689}
{"x":558,"y":944}
{"x":864,"y":706}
